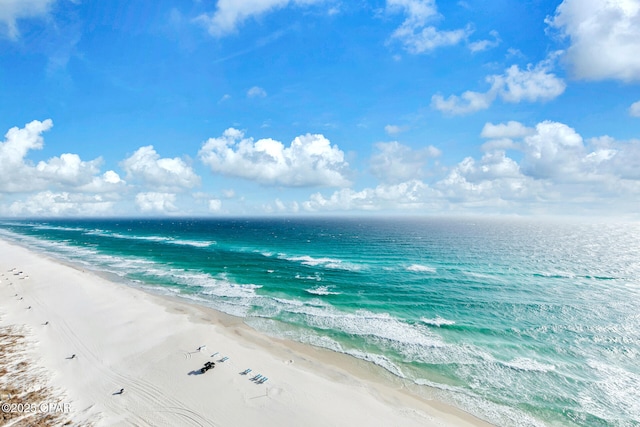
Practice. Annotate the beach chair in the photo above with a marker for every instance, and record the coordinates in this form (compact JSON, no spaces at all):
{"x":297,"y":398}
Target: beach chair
{"x":224,"y":359}
{"x":262,"y":380}
{"x":245,"y":372}
{"x":257,"y":377}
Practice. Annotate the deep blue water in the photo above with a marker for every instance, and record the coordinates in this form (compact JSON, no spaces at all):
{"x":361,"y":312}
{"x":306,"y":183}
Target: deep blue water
{"x":520,"y":322}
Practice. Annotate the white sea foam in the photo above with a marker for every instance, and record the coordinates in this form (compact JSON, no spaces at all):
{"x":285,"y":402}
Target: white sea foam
{"x":391,"y":330}
{"x":98,"y":232}
{"x":461,"y":397}
{"x":418,"y":268}
{"x":617,"y":388}
{"x":276,"y":329}
{"x":196,"y":243}
{"x":307,"y":260}
{"x":232,"y":306}
{"x":287,"y":302}
{"x":67,"y":252}
{"x":525,"y":364}
{"x":437,"y":321}
{"x":217,"y":288}
{"x":322,"y":341}
{"x":379,"y":360}
{"x":315,"y":277}
{"x":322,"y":290}
{"x":480,"y":275}
{"x":425,"y":382}
{"x":471,"y":399}
{"x":165,"y":290}
{"x":558,"y":274}
{"x":152,"y":238}
{"x":382,"y":327}
{"x":60,"y":228}
{"x":211,"y":286}
{"x":331,"y":263}
{"x":497,"y":414}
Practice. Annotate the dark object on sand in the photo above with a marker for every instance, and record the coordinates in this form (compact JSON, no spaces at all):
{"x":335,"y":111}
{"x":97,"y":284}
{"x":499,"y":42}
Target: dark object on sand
{"x":207,"y":366}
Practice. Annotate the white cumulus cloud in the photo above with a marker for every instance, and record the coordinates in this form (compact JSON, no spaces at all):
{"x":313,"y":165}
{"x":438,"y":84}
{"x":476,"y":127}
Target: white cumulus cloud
{"x":310,"y":160}
{"x":49,"y":203}
{"x":468,"y":102}
{"x":18,"y":142}
{"x":511,"y":129}
{"x":230,"y":14}
{"x":68,"y":171}
{"x":156,"y":202}
{"x":495,"y":182}
{"x":146,"y":166}
{"x":553,"y":150}
{"x":256,"y":92}
{"x":215,"y":205}
{"x":615,"y":158}
{"x":502,"y":135}
{"x":482,"y":45}
{"x":604,"y":37}
{"x":410,"y":195}
{"x":394,"y":162}
{"x":559,"y":172}
{"x":394,"y":129}
{"x":415,"y":33}
{"x":634,"y":109}
{"x":13,"y":10}
{"x":535,"y":83}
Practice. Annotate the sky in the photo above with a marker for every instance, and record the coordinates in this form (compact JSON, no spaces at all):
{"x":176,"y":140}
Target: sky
{"x":319,"y":107}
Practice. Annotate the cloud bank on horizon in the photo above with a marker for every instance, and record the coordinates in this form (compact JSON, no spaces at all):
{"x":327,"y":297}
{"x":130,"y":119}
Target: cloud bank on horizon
{"x":319,"y":107}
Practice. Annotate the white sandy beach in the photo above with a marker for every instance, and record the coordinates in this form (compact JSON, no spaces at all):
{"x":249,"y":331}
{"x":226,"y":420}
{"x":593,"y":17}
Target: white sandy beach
{"x":127,"y":338}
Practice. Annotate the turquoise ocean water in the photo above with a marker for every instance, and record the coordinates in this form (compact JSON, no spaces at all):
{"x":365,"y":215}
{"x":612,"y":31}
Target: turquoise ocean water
{"x":520,"y":322}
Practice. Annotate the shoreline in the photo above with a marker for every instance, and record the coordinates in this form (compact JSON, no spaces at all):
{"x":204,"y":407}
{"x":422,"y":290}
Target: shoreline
{"x":126,"y":337}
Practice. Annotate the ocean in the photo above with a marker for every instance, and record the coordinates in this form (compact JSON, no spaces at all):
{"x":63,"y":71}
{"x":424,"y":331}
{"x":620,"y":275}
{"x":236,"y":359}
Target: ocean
{"x":521,"y":322}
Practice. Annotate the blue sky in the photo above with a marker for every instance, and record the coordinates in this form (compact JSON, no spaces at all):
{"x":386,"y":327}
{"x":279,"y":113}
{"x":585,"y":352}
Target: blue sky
{"x":313,"y":107}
